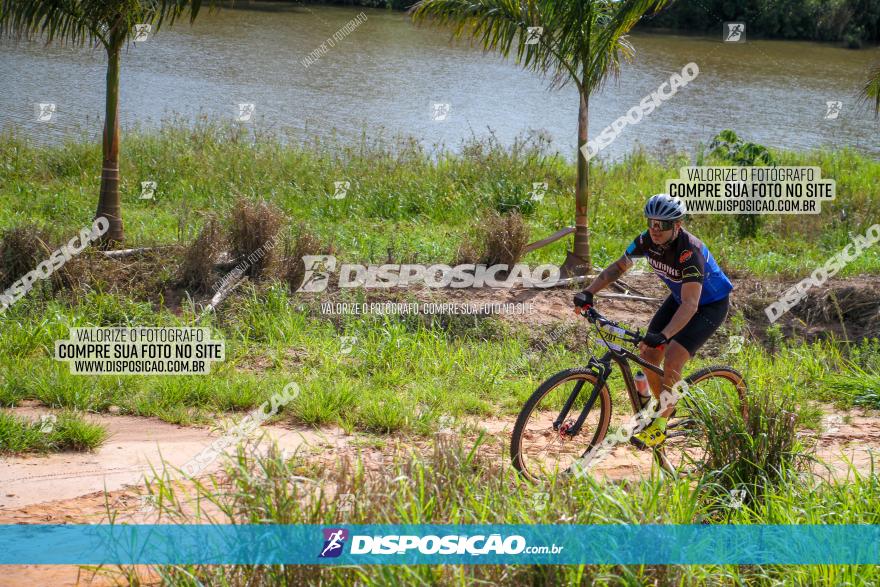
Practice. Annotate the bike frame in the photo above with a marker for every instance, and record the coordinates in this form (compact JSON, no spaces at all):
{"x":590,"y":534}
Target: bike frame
{"x":601,"y":368}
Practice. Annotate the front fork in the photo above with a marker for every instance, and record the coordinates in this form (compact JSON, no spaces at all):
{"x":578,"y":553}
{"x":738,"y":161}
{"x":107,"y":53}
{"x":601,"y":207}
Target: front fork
{"x":601,"y":369}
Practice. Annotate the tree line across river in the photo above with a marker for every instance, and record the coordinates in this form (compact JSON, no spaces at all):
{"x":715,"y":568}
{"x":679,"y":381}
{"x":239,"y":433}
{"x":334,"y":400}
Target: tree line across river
{"x":853,"y":22}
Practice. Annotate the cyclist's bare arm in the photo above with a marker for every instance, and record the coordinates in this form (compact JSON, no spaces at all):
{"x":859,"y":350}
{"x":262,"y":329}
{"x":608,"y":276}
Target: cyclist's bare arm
{"x":611,"y":274}
{"x":690,"y":301}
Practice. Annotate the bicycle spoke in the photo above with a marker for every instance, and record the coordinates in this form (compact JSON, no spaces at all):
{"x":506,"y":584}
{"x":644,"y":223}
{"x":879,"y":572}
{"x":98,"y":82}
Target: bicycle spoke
{"x":544,"y":449}
{"x":686,"y":448}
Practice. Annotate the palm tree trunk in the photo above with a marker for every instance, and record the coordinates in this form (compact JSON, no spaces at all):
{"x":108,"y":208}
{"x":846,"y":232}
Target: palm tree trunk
{"x":582,"y":190}
{"x":109,"y":204}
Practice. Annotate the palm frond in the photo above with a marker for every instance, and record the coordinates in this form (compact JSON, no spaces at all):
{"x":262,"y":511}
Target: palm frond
{"x":616,"y":19}
{"x":77,"y":22}
{"x":871,"y":92}
{"x":502,"y":26}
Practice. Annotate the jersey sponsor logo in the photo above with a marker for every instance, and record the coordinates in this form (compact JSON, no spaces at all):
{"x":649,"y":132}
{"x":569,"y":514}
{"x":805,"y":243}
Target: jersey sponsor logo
{"x":692,"y":272}
{"x":685,"y":256}
{"x":665,"y":271}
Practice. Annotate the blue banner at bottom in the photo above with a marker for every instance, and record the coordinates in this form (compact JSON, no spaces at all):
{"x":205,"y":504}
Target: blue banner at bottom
{"x":439,"y":544}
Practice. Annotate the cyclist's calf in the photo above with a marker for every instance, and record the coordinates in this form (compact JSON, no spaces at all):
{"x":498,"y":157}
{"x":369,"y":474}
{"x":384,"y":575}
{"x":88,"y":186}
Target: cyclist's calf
{"x":653,"y":356}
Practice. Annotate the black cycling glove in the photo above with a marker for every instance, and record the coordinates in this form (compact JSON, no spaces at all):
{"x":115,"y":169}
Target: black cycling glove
{"x":655,"y":339}
{"x":583,"y":299}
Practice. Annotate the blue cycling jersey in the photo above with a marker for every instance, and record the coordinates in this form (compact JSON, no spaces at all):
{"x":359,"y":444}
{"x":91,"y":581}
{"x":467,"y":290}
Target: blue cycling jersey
{"x":686,"y":259}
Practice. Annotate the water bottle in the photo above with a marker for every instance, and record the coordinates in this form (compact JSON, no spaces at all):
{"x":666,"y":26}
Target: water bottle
{"x":643,"y":388}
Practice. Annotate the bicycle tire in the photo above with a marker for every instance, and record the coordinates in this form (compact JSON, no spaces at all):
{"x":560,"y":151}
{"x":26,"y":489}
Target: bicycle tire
{"x":714,"y":371}
{"x":604,"y":405}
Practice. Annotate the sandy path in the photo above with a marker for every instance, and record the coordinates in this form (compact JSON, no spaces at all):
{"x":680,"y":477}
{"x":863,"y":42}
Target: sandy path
{"x":134,"y":444}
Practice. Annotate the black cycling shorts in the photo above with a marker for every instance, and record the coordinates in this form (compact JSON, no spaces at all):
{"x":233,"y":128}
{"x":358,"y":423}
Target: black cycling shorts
{"x":701,"y":327}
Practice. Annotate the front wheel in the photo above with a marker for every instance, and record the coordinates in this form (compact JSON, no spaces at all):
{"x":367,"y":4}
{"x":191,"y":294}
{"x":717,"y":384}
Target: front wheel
{"x":686,"y":451}
{"x":540,"y":446}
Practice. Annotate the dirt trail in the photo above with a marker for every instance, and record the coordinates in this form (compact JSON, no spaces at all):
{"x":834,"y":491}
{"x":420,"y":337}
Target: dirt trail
{"x":134,"y":445}
{"x":69,"y":487}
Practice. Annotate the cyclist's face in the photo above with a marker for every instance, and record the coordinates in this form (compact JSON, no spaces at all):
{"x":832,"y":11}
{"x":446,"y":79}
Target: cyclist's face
{"x":661,"y":230}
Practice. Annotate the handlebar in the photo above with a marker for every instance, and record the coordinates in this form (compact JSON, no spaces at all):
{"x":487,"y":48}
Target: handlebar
{"x":610,"y":326}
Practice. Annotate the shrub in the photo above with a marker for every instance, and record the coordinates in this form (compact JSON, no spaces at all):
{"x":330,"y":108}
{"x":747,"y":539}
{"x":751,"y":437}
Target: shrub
{"x":197,"y":267}
{"x":21,"y":249}
{"x":753,"y":452}
{"x":500,"y":239}
{"x":253,"y":233}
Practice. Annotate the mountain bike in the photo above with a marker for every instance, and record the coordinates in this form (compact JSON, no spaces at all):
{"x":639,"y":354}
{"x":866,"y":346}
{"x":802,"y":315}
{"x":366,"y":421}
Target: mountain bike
{"x":569,"y":414}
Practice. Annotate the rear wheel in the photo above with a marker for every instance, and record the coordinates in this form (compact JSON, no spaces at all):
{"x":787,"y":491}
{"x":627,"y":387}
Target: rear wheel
{"x":538,"y":447}
{"x":685,"y":450}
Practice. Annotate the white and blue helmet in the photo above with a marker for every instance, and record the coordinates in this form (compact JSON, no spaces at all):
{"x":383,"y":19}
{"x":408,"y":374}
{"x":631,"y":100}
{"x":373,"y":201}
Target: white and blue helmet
{"x":665,"y":207}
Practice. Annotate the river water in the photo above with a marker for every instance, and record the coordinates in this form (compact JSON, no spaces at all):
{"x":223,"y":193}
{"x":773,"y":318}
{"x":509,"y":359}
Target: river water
{"x":386,"y":76}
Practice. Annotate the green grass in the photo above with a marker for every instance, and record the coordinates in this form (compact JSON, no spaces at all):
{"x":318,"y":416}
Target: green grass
{"x":456,"y":484}
{"x":402,"y":373}
{"x":67,"y":432}
{"x":417,"y":204}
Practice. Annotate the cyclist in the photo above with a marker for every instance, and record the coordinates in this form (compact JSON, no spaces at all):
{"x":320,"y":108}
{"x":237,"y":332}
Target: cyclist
{"x":695,"y":308}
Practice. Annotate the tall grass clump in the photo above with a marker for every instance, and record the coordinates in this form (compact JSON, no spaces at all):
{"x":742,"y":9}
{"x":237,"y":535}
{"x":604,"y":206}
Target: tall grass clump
{"x":499,"y":240}
{"x":254,"y":228}
{"x":197,"y":268}
{"x":755,"y":450}
{"x":22,"y":248}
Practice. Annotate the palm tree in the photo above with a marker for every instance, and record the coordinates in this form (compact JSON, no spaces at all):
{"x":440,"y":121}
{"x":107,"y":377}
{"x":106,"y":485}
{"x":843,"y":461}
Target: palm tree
{"x":580,"y":42}
{"x":110,"y":23}
{"x":871,"y":92}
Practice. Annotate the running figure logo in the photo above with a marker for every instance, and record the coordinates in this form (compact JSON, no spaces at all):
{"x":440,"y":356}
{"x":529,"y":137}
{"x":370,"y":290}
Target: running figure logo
{"x":736,"y":32}
{"x":334,"y":541}
{"x":833,"y":108}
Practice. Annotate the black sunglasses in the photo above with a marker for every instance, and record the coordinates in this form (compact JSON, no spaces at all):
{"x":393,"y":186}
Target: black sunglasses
{"x":664,"y":224}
